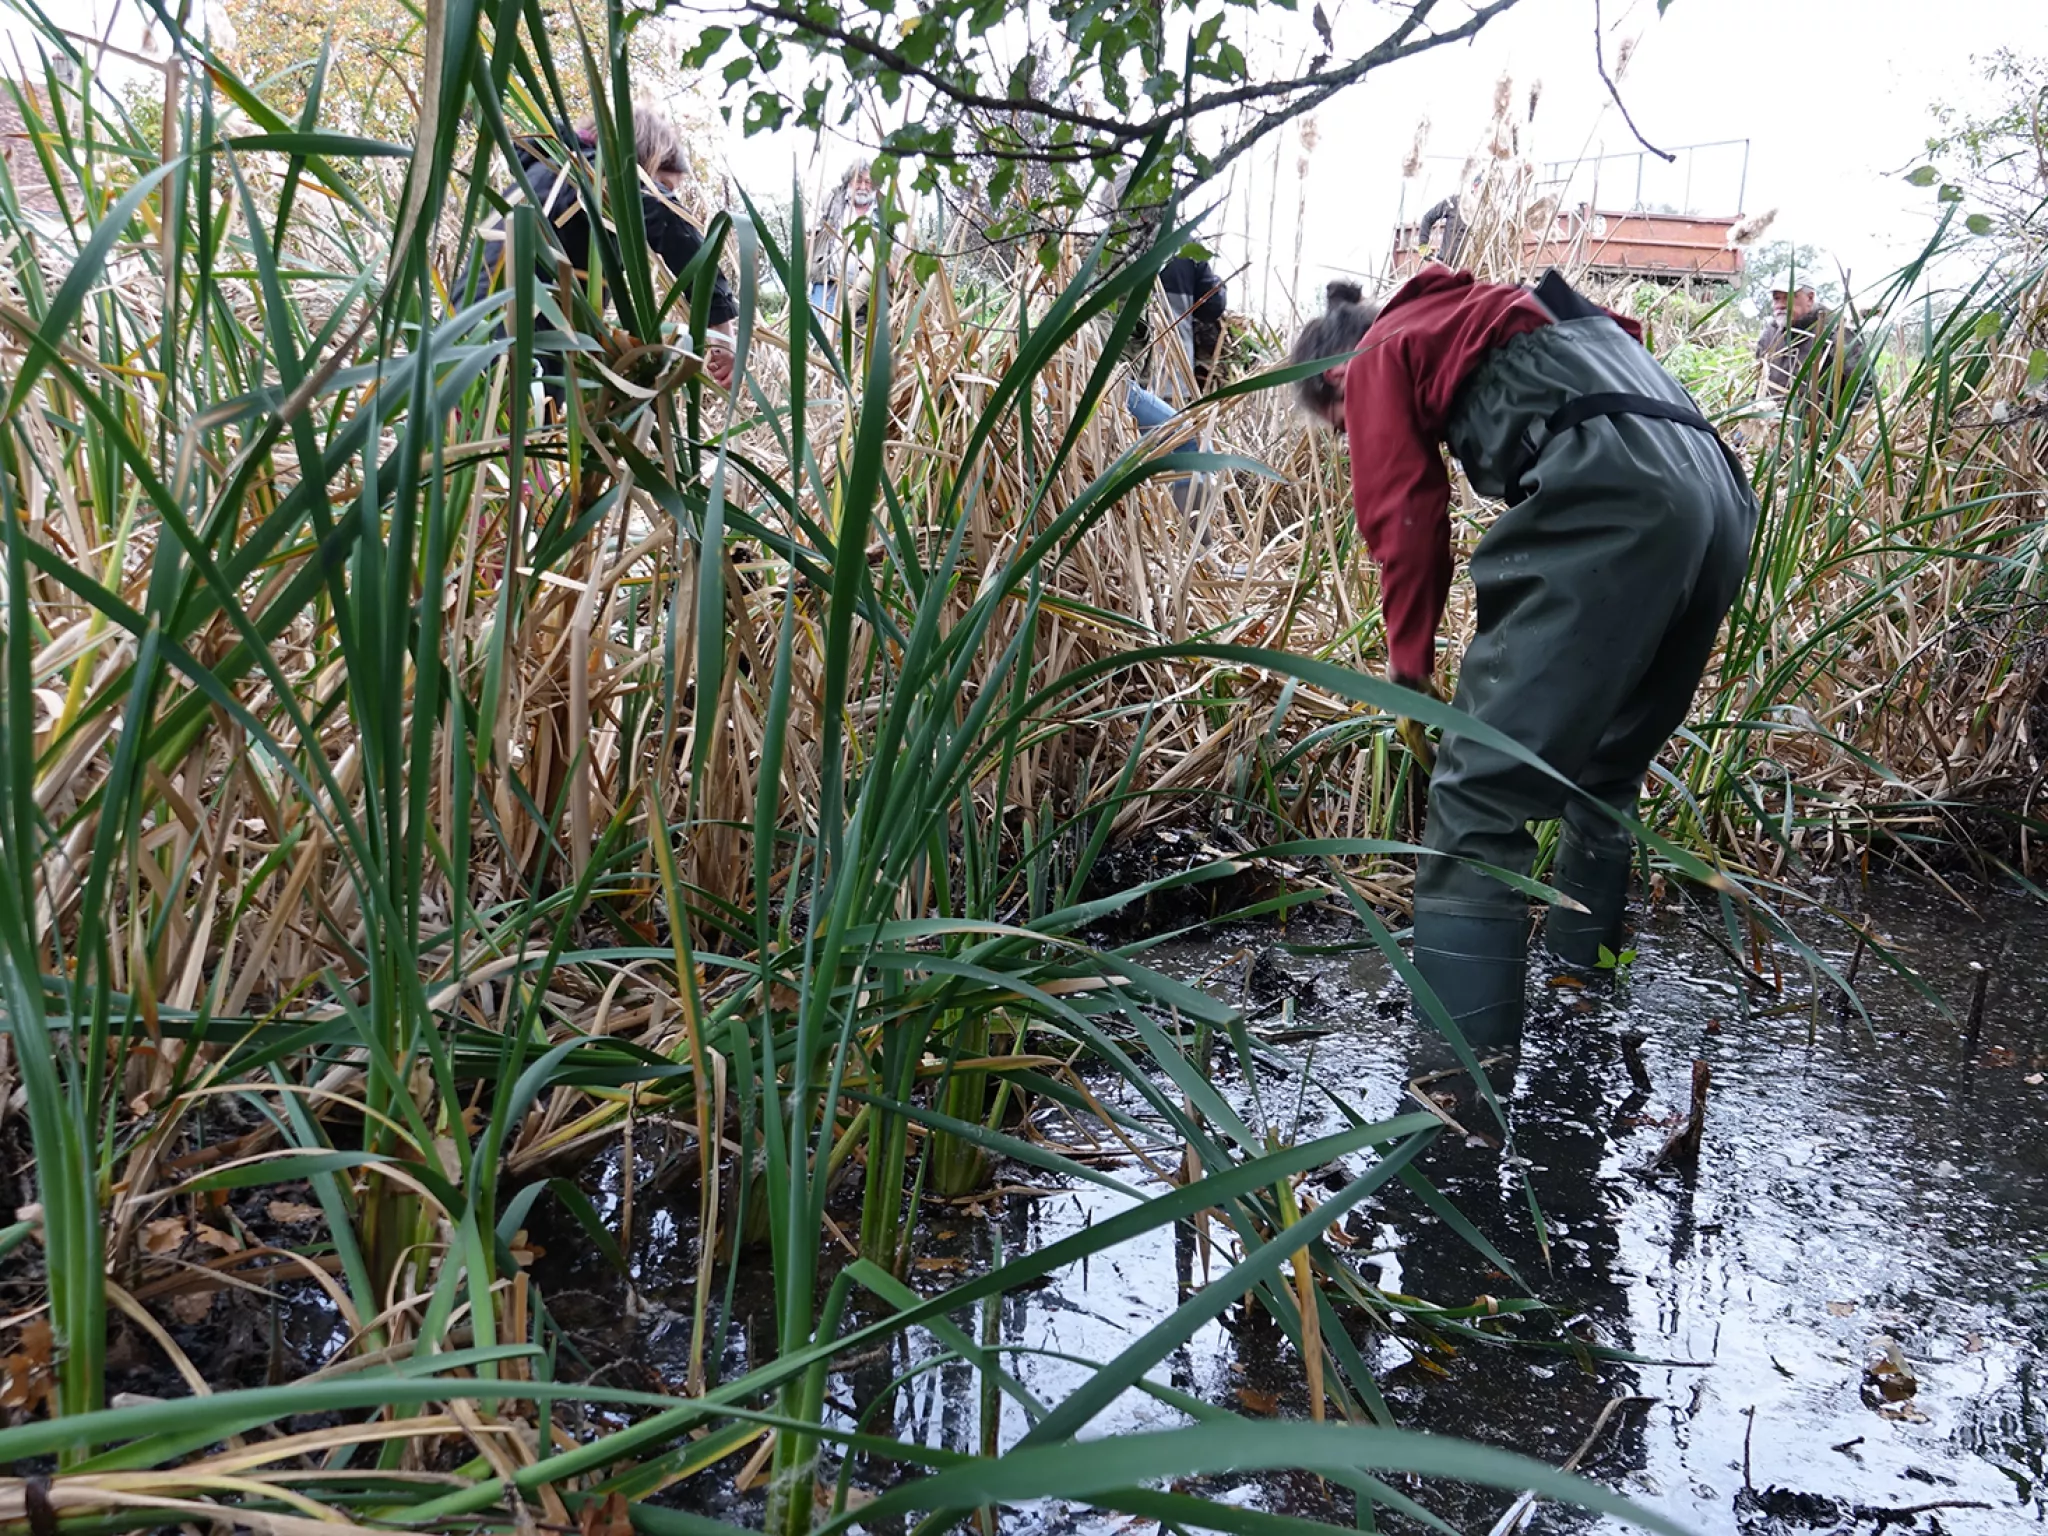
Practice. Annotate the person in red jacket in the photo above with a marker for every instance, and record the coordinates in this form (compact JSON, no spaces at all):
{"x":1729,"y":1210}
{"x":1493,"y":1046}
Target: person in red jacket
{"x":1601,"y":588}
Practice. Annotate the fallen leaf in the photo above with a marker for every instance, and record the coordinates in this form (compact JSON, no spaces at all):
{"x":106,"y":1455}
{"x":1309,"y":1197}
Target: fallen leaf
{"x":26,"y":1378}
{"x":1259,"y":1402}
{"x":213,"y":1237}
{"x":1890,"y":1375}
{"x":162,"y":1235}
{"x":604,"y":1517}
{"x":192,"y":1307}
{"x":290,"y":1213}
{"x":2035,"y":1079}
{"x":1842,"y":1308}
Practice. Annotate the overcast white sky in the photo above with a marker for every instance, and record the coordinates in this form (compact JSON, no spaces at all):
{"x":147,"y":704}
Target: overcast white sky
{"x":1834,"y":96}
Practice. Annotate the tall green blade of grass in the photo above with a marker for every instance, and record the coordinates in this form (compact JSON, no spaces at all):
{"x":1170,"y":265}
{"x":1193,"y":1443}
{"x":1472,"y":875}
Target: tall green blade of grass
{"x":59,"y":1109}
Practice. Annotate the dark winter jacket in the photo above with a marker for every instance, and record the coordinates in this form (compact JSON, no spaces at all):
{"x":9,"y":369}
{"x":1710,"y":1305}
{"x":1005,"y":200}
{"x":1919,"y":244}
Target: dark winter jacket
{"x":552,"y":191}
{"x":1196,"y":301}
{"x":1822,"y":358}
{"x":1451,"y":213}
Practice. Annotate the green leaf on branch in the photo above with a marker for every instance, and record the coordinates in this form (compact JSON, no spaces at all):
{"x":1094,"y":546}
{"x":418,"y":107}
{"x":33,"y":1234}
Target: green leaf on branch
{"x":709,"y":41}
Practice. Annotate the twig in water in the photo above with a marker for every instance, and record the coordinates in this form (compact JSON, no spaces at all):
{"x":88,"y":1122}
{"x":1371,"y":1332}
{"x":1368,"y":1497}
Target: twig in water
{"x":1632,"y":1058}
{"x":1435,"y":1106}
{"x":1974,"y":1029}
{"x":1847,"y":999}
{"x":1600,"y":60}
{"x":1683,"y":1149}
{"x":1856,"y":959}
{"x":1520,"y":1510}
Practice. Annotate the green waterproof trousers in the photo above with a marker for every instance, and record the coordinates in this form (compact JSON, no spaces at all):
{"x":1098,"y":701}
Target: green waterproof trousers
{"x":1601,"y":589}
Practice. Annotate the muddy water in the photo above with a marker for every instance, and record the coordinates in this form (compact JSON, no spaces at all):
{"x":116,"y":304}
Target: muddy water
{"x":1865,"y":1193}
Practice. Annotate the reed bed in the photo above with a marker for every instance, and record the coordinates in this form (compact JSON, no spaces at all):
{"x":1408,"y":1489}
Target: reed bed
{"x":408,"y":801}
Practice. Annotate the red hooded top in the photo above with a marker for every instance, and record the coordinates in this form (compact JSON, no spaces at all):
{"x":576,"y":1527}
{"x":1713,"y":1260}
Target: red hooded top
{"x":1398,"y":392}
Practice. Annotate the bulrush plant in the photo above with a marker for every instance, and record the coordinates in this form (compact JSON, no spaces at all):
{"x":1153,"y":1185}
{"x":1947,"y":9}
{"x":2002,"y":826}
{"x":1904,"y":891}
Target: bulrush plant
{"x":407,"y":799}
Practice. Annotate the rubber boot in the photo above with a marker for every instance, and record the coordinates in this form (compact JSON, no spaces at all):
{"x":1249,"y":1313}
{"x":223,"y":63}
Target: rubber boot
{"x":1478,"y":969}
{"x":1593,"y":871}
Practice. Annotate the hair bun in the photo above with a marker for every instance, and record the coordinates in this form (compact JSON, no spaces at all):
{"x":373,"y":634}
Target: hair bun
{"x":1342,"y":292}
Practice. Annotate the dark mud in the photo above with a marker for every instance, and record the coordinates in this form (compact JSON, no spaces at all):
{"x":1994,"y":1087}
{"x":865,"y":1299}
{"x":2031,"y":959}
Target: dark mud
{"x":1869,"y":1195}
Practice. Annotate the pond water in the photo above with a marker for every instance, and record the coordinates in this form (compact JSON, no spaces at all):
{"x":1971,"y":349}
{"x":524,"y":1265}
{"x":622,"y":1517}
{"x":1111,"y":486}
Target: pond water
{"x":1866,"y":1192}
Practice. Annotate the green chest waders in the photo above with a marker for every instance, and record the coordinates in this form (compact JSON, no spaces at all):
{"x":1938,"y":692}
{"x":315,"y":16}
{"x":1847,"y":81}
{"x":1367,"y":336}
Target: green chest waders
{"x":1600,"y":589}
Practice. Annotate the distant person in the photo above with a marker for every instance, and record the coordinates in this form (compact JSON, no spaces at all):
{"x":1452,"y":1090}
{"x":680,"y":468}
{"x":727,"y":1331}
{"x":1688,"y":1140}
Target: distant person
{"x":1188,"y":295}
{"x":1454,"y":215}
{"x":1810,"y":350}
{"x":841,"y":252}
{"x":1195,"y":301}
{"x":1601,"y":588}
{"x":547,"y":184}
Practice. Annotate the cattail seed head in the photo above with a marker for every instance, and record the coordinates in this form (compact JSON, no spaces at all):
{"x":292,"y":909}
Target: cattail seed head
{"x":1749,"y":231}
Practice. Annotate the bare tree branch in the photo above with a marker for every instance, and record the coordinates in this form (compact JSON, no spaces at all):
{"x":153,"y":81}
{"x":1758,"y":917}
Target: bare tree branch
{"x":1389,"y":51}
{"x":1314,"y":88}
{"x":1600,"y":60}
{"x":896,"y":62}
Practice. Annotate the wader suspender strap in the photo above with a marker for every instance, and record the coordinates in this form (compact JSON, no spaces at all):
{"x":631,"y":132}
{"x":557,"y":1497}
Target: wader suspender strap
{"x":1566,"y":303}
{"x":1620,"y":403}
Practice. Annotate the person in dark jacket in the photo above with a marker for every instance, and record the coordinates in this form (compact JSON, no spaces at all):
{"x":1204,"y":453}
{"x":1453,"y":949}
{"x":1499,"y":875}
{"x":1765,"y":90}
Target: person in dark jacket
{"x":1601,"y":589}
{"x":1454,"y":213}
{"x":1196,"y":301}
{"x":658,"y":148}
{"x":1812,"y":352}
